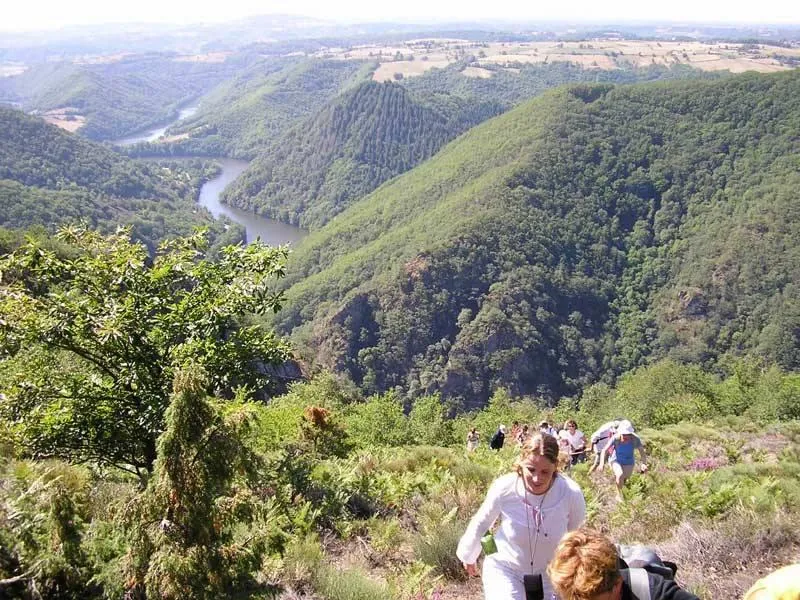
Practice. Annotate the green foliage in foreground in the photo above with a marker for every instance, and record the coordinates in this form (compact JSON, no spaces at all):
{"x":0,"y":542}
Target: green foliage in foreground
{"x":232,"y":510}
{"x":183,"y":525}
{"x":584,"y":234}
{"x":91,"y":334}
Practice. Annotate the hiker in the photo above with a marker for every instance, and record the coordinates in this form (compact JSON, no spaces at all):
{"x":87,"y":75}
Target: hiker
{"x":472,"y":439}
{"x":515,"y":429}
{"x":783,"y":584}
{"x":545,"y":427}
{"x":537,"y":506}
{"x":586,"y":567}
{"x":623,"y":444}
{"x":522,"y":435}
{"x":601,"y":439}
{"x":498,"y":438}
{"x":574,"y":442}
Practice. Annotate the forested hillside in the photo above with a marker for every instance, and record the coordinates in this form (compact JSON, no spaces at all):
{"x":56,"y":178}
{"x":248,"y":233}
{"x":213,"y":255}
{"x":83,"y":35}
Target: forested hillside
{"x":117,"y":96}
{"x":576,"y":237}
{"x":520,"y":81}
{"x":361,"y":139}
{"x":243,"y":115}
{"x":49,"y":177}
{"x":368,"y":135}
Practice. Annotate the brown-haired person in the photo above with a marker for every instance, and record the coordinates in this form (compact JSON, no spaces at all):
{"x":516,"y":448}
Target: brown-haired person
{"x":585,"y":566}
{"x":537,"y":506}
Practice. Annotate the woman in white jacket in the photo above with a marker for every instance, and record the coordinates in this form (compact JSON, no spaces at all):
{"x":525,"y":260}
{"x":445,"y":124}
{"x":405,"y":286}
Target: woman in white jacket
{"x":536,"y":505}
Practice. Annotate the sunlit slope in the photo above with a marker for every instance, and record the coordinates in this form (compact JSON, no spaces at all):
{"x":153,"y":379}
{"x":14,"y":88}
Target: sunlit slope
{"x":375,"y":131}
{"x":358,"y":141}
{"x":243,"y":115}
{"x":579,"y":235}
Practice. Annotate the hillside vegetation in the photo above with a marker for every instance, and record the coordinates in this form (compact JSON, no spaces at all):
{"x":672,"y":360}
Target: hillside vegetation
{"x":367,"y":135}
{"x":49,"y":177}
{"x":323,"y":493}
{"x":574,"y":238}
{"x":243,"y":115}
{"x":359,"y":140}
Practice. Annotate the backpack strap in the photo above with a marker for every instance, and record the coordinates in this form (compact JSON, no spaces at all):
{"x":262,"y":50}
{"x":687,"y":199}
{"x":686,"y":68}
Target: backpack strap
{"x":640,"y":583}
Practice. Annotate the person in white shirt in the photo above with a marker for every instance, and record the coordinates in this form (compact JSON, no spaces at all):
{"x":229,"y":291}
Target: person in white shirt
{"x":537,"y":506}
{"x":601,"y":439}
{"x":574,"y":442}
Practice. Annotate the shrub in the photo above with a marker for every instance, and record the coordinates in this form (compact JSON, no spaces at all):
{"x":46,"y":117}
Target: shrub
{"x":334,"y":584}
{"x":428,"y":423}
{"x":44,"y":516}
{"x":437,"y":547}
{"x":380,"y":421}
{"x":301,"y":560}
{"x":654,"y":395}
{"x":415,"y":581}
{"x":724,"y":559}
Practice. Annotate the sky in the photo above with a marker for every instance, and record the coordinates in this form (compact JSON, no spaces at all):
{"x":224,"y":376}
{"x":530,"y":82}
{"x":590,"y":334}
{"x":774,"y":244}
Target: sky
{"x":31,"y":15}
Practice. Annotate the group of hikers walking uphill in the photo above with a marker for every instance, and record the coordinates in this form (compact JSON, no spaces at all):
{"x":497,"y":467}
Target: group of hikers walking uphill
{"x":614,"y":443}
{"x":541,"y":549}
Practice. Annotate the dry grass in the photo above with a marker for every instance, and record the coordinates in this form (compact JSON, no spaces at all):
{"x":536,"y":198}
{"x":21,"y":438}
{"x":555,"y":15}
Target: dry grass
{"x":408,"y":68}
{"x":66,"y":118}
{"x":725,"y":561}
{"x":477,"y":72}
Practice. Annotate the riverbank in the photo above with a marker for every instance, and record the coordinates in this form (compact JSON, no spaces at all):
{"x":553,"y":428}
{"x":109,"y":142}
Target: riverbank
{"x":269,"y":231}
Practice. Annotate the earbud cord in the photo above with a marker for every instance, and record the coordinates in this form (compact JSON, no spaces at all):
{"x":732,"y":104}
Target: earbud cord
{"x":533,"y":546}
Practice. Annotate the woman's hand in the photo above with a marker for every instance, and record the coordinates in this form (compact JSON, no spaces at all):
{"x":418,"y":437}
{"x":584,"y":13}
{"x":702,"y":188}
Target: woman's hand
{"x":472,"y":570}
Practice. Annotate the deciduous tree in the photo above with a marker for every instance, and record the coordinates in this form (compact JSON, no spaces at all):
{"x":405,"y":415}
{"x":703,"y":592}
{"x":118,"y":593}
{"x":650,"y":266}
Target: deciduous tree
{"x":89,"y":338}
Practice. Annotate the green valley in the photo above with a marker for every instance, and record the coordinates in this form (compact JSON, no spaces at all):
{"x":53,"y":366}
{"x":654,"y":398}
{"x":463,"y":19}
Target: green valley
{"x":569,"y":240}
{"x":367,"y":135}
{"x":361,"y":139}
{"x":248,"y":112}
{"x":49,"y":177}
{"x":507,"y":224}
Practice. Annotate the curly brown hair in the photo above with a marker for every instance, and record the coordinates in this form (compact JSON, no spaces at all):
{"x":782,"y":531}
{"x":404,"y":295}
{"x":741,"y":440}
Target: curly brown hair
{"x":584,"y":565}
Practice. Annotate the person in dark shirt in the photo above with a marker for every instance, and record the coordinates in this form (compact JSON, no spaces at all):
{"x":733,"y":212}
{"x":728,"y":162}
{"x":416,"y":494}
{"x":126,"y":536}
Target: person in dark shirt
{"x":586,"y":567}
{"x":498,"y":438}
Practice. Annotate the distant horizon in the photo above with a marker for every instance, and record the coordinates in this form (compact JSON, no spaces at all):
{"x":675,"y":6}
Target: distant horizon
{"x":48,"y":15}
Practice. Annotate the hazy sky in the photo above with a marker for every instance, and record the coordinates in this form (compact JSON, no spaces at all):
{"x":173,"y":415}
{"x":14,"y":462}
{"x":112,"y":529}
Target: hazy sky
{"x":20,"y":15}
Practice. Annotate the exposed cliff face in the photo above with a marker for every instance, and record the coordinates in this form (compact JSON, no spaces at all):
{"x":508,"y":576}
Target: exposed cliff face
{"x":340,"y":338}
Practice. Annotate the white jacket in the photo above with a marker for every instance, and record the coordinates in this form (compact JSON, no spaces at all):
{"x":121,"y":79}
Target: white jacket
{"x":561,"y":509}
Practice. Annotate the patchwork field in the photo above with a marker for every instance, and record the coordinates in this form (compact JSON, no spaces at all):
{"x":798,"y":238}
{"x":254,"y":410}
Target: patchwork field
{"x":9,"y":70}
{"x":417,"y":56}
{"x":210,"y":57}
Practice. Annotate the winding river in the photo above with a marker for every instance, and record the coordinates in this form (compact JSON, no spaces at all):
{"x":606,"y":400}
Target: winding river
{"x":270,"y":231}
{"x":152,"y":134}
